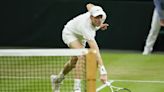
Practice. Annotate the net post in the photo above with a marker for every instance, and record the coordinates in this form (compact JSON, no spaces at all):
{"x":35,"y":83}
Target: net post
{"x":91,"y":67}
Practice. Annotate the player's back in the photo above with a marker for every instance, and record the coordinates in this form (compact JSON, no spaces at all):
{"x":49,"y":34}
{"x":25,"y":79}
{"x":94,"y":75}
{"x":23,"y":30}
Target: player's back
{"x":76,"y":24}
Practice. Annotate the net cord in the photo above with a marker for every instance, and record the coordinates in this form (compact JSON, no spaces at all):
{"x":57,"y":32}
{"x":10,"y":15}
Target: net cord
{"x":43,"y":52}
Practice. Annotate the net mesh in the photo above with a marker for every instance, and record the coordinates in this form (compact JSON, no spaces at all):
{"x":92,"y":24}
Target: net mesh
{"x":32,"y":73}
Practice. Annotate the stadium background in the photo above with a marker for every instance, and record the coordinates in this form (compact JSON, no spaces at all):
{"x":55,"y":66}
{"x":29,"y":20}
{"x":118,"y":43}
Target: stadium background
{"x":38,"y":23}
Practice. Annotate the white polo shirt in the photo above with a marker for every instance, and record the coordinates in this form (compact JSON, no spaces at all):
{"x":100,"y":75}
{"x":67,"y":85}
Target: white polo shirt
{"x":80,"y":28}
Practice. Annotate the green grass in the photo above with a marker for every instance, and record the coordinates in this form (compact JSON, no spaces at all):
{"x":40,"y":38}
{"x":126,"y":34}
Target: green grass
{"x":135,"y":66}
{"x":120,"y":66}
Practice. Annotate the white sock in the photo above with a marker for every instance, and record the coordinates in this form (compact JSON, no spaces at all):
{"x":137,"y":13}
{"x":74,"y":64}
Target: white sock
{"x":77,"y":84}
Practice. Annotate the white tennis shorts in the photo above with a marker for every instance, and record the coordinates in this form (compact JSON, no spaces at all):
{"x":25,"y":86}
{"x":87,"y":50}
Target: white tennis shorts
{"x":69,"y":37}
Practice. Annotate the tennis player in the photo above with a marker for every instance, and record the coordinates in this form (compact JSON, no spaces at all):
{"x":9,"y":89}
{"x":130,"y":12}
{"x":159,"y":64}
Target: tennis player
{"x":75,"y":34}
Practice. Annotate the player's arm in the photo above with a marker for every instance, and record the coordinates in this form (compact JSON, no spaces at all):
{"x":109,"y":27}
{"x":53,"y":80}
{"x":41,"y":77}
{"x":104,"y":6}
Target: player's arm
{"x":104,"y":26}
{"x":93,"y":45}
{"x":103,"y":73}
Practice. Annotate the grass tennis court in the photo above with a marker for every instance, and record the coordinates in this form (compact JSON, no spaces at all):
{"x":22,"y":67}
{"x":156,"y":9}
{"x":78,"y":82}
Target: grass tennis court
{"x":135,"y":71}
{"x":132,"y":70}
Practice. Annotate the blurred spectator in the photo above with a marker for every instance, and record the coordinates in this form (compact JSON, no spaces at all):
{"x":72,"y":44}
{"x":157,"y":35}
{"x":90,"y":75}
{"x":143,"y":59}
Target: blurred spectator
{"x":157,"y":22}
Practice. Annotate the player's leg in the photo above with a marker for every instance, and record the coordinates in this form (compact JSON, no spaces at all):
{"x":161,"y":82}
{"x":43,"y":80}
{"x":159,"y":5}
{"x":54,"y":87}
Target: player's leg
{"x":153,"y":33}
{"x":79,"y":74}
{"x":77,"y":81}
{"x":71,"y":40}
{"x":57,"y":79}
{"x":72,"y":63}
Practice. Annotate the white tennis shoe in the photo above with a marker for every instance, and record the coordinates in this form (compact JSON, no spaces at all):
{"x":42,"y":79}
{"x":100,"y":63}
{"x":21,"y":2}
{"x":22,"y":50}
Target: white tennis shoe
{"x":147,"y":51}
{"x":77,"y":87}
{"x":77,"y":90}
{"x":56,"y":82}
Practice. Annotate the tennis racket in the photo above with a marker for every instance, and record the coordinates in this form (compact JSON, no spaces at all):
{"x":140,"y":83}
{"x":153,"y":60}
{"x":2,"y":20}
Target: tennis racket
{"x":112,"y":88}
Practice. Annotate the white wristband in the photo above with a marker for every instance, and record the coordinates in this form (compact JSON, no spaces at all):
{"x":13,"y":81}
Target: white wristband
{"x":102,"y":70}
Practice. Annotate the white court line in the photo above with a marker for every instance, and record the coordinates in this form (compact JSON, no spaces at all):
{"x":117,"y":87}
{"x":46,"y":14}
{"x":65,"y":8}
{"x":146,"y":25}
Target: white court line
{"x":140,"y":81}
{"x":134,"y":81}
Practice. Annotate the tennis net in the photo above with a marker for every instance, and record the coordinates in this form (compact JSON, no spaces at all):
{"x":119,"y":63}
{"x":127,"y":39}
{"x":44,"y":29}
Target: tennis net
{"x":29,"y":70}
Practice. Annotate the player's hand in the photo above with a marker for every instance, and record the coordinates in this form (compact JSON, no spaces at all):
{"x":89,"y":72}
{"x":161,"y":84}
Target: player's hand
{"x":103,"y":78}
{"x":104,"y":26}
{"x":162,"y":22}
